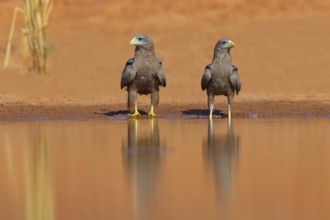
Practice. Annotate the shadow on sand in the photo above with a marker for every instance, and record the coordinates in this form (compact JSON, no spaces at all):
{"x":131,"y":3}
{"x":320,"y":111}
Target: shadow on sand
{"x":204,"y":112}
{"x":120,"y":112}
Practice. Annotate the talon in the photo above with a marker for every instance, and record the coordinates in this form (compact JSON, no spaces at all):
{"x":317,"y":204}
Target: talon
{"x":152,"y":113}
{"x":136,"y":113}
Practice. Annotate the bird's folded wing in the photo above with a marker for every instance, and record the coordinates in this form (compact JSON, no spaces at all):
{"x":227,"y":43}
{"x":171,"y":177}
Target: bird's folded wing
{"x":128,"y":74}
{"x":206,"y":77}
{"x":235,"y":80}
{"x":161,"y":75}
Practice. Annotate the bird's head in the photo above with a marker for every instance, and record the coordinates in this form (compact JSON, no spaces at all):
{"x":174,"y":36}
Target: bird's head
{"x":141,"y":40}
{"x":224,"y":44}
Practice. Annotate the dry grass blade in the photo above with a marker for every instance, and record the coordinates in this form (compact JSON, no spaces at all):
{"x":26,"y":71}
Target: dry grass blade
{"x":11,"y":34}
{"x":35,"y":47}
{"x":37,"y":13}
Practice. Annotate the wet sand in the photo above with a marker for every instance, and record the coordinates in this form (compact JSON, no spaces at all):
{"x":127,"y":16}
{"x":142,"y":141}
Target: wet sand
{"x":256,"y":109}
{"x":281,"y":52}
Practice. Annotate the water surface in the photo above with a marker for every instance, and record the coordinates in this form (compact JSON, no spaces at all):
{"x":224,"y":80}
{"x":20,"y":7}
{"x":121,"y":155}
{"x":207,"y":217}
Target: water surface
{"x":165,"y":169}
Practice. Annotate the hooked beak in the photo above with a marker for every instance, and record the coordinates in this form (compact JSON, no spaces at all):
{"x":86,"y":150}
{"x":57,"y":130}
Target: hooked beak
{"x":134,"y":41}
{"x":230,"y":44}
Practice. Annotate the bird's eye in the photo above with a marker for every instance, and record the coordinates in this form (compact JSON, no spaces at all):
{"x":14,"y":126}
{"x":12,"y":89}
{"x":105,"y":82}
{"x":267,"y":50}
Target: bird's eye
{"x":223,"y":42}
{"x":139,"y":38}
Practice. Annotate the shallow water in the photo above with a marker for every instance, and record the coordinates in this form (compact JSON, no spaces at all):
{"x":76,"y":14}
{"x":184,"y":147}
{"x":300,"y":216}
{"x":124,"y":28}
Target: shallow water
{"x":165,"y":169}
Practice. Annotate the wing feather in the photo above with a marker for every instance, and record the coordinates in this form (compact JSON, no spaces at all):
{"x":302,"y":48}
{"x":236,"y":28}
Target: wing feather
{"x":161,"y":75}
{"x":128,"y":73}
{"x":206,"y":77}
{"x":235,"y":80}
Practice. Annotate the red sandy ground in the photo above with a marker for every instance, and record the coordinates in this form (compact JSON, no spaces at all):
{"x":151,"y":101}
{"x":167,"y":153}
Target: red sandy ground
{"x":282,"y":51}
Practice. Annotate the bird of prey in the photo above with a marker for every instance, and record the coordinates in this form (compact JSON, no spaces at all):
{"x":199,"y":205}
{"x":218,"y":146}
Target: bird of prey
{"x":221,"y":76}
{"x":143,"y":75}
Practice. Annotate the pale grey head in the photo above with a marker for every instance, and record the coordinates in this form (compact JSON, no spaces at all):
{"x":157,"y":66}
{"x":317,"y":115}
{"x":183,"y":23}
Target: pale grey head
{"x":224,"y":44}
{"x":142,"y":41}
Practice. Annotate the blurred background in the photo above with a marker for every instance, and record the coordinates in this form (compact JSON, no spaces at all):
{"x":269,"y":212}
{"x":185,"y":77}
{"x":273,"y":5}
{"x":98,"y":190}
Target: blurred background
{"x":282,"y":49}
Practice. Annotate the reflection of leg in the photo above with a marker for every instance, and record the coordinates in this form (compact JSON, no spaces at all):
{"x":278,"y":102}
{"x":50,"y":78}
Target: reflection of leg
{"x":154,"y":103}
{"x":136,"y":124}
{"x":154,"y":132}
{"x":211,"y":104}
{"x":229,"y":113}
{"x":230,"y":129}
{"x":152,"y":125}
{"x":211,"y":127}
{"x":132,"y":131}
{"x":132,"y":103}
{"x":211,"y":136}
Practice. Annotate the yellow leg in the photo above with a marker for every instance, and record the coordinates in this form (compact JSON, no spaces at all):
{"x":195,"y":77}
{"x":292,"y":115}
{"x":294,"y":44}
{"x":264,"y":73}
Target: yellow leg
{"x":211,"y":111}
{"x":152,"y":113}
{"x":211,"y":107}
{"x":136,"y":112}
{"x":229,"y":114}
{"x":210,"y":116}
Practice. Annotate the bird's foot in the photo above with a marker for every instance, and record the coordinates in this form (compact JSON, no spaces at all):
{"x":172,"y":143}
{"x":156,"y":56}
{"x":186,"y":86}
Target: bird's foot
{"x":152,"y":114}
{"x":135,"y":114}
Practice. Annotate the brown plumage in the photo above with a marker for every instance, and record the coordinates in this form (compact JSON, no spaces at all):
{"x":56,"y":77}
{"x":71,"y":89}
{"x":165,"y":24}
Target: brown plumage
{"x":221,"y":77}
{"x":143,"y":74}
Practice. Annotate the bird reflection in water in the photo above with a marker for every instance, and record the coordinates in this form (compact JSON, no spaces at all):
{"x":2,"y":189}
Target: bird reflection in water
{"x":221,"y":156}
{"x":143,"y":160}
